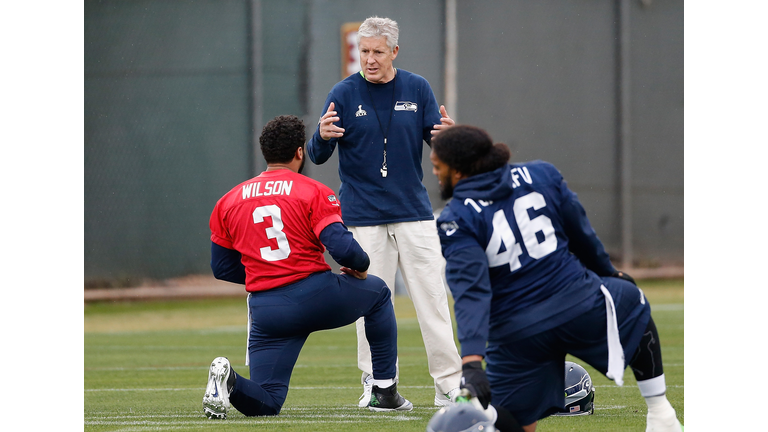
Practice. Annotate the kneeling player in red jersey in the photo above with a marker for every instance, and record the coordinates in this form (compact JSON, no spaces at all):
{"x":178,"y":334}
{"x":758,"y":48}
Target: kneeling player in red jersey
{"x":269,"y":233}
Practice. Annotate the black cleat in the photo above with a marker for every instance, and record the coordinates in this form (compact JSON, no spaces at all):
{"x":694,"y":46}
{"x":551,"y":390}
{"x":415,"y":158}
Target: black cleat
{"x":388,"y":399}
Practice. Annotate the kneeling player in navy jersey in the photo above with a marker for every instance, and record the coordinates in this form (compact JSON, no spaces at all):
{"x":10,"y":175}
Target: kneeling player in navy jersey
{"x":269,"y":233}
{"x":532,"y":282}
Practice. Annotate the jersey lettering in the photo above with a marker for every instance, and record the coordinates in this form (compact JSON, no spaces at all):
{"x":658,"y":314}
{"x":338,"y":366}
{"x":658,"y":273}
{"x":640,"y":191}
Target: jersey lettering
{"x":503,"y":234}
{"x":516,"y":173}
{"x":477,"y":208}
{"x":279,"y":187}
{"x":529,"y":227}
{"x":273,"y":232}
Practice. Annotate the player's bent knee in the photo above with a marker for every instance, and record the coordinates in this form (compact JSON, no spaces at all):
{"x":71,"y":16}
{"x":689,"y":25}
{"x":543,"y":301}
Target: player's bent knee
{"x":260,"y":410}
{"x":377,"y":283}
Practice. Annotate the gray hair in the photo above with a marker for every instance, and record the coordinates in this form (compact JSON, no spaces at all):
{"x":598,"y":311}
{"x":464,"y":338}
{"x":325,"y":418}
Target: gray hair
{"x":377,"y":27}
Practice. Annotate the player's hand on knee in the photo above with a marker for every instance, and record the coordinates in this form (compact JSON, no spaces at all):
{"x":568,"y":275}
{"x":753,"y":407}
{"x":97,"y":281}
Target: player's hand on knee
{"x":475,"y":380}
{"x":354,"y":273}
{"x":622,"y":275}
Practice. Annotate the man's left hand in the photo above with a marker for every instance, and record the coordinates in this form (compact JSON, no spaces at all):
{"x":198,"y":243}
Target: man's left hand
{"x":354,"y":273}
{"x":626,"y":277}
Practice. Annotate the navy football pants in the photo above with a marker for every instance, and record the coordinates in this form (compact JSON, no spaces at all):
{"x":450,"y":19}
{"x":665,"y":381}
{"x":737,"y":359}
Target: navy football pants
{"x":283,"y":318}
{"x":526,"y":375}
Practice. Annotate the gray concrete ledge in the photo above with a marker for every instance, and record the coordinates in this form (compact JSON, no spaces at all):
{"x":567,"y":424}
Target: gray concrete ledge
{"x":208,"y":287}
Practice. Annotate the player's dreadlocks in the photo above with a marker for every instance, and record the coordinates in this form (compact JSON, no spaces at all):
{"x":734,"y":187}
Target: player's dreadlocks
{"x":469,"y":150}
{"x":281,"y":137}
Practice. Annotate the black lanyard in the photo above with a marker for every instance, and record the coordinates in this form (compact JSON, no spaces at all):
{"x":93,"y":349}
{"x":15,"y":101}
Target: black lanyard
{"x":383,"y":132}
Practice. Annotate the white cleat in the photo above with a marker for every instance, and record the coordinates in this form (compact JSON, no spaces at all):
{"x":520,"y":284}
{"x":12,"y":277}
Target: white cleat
{"x":367,"y":381}
{"x":669,"y":424}
{"x":216,"y":398}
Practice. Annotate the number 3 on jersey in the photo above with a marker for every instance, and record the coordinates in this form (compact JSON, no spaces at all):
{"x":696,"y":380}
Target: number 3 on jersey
{"x":273,"y":232}
{"x":502,"y":234}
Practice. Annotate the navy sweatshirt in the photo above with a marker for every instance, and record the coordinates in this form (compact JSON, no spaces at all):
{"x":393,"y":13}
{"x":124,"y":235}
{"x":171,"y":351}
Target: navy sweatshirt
{"x":366,"y":197}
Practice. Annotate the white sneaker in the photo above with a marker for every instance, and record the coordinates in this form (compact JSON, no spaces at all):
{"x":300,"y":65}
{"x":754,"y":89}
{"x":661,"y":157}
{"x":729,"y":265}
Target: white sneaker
{"x":367,"y":382}
{"x":656,"y":424}
{"x":216,"y":398}
{"x":447,"y":399}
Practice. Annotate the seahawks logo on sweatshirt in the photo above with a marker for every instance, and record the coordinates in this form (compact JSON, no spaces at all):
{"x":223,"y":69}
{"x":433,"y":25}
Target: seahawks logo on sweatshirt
{"x":406,"y":106}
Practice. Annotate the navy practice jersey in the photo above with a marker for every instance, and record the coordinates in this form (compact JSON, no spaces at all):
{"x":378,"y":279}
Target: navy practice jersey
{"x":519,"y":237}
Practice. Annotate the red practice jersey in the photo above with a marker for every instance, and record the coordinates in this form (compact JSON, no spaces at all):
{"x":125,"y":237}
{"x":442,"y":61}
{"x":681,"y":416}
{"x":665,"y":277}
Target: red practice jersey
{"x":274,"y":220}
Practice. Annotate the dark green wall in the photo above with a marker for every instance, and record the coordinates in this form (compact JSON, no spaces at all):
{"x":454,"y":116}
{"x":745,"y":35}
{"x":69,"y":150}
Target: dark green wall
{"x":177,"y":91}
{"x":167,"y":131}
{"x":284,"y":44}
{"x":542,"y":77}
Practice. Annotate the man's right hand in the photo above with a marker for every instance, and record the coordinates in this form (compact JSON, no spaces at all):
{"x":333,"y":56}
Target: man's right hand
{"x":475,"y":380}
{"x":329,"y":130}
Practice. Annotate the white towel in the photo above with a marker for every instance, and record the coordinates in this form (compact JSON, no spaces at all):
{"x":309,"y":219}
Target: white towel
{"x":615,"y":350}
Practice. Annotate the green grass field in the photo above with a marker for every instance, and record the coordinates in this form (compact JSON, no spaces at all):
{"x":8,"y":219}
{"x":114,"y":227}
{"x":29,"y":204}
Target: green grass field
{"x":146,"y":365}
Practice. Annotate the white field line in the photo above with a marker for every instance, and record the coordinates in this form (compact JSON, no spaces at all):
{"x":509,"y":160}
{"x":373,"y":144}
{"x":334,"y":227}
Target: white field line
{"x":289,"y":411}
{"x":172,"y":368}
{"x":272,"y":420}
{"x":181,"y":368}
{"x":149,"y":368}
{"x":140,"y":425}
{"x":357,"y":387}
{"x":204,"y":368}
{"x":296,"y":410}
{"x":161,"y":347}
{"x":671,"y":307}
{"x":223,"y":347}
{"x":295,"y":415}
{"x":197,"y":389}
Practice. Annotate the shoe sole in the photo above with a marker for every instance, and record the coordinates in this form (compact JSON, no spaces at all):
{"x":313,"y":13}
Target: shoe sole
{"x":407,"y":406}
{"x":213,"y":415}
